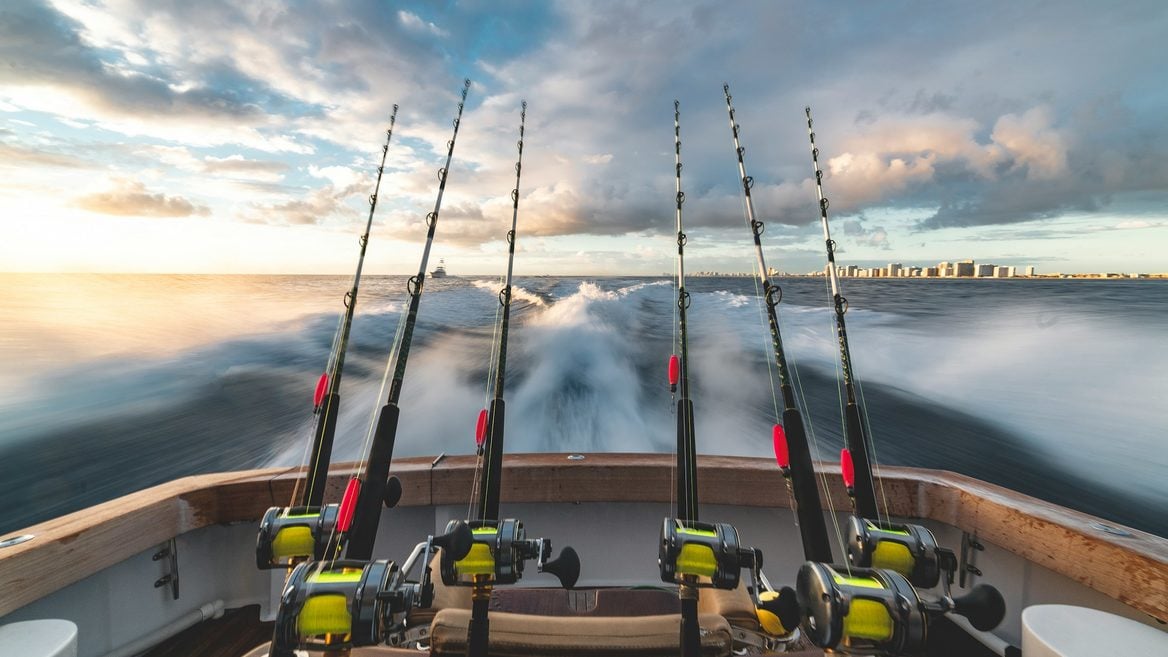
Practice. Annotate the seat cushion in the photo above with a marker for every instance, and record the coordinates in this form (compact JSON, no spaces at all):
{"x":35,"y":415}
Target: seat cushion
{"x":521,"y":635}
{"x":735,"y":605}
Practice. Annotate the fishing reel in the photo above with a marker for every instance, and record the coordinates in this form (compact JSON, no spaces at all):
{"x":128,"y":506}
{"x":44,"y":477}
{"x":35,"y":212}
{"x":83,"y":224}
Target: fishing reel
{"x":878,"y":611}
{"x":910,"y":550}
{"x":289,"y":535}
{"x":691,"y":550}
{"x":499,"y":551}
{"x":342,"y":604}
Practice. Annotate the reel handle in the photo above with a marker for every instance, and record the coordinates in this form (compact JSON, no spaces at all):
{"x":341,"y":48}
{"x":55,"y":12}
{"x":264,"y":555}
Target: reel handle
{"x":566,"y":567}
{"x":785,"y":607}
{"x":457,"y":541}
{"x":984,"y":606}
{"x":393,"y":492}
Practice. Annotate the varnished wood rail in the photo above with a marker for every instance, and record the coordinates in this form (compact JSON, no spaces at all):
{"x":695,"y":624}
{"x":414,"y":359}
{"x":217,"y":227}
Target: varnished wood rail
{"x":1132,"y":569}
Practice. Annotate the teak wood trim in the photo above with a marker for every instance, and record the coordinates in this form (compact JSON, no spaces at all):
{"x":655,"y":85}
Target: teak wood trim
{"x":1132,"y":569}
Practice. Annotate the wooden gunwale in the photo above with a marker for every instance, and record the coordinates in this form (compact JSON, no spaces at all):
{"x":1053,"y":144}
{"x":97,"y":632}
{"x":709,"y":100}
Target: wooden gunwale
{"x":1132,"y":569}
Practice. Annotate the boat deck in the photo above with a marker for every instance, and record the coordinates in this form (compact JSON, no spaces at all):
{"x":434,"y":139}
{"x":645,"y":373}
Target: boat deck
{"x":234,"y":634}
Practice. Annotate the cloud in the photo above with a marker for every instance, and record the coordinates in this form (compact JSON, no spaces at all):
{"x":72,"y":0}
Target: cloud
{"x":1132,"y":224}
{"x":317,"y":206}
{"x":413,"y":22}
{"x":341,"y":177}
{"x":131,"y":198}
{"x":44,"y":48}
{"x":1032,"y":143}
{"x":12,"y":155}
{"x":875,"y":236}
{"x":237,"y":166}
{"x":1001,"y":124}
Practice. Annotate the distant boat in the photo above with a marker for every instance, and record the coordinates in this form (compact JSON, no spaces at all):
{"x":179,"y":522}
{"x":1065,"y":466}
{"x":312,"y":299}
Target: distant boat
{"x":440,"y":270}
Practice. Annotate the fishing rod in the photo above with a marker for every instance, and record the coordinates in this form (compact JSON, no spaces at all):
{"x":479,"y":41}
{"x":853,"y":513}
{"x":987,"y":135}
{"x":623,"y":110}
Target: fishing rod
{"x":687,"y":468}
{"x":790,"y":437}
{"x":694,"y":554}
{"x":871,"y":605}
{"x":327,"y":400}
{"x":374,"y":486}
{"x":289,"y":534}
{"x":859,"y":448}
{"x":490,"y":426}
{"x":501,"y":547}
{"x":339,"y":604}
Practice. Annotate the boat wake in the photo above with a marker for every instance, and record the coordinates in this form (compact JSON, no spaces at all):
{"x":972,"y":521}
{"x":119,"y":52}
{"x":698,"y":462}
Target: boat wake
{"x":1005,"y":398}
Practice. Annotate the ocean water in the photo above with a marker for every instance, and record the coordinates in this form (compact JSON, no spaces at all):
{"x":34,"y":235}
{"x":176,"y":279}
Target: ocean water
{"x":112,"y":383}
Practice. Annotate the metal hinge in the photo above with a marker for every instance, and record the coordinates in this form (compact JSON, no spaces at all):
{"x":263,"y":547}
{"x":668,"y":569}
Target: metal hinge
{"x":168,"y":552}
{"x":970,"y":546}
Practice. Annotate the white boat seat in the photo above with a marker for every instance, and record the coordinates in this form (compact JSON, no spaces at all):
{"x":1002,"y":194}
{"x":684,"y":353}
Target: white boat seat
{"x":50,"y":637}
{"x":1067,"y":631}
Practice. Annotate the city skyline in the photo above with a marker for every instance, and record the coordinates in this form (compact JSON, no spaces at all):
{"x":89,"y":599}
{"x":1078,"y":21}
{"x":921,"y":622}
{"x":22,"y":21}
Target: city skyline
{"x":218,"y":137}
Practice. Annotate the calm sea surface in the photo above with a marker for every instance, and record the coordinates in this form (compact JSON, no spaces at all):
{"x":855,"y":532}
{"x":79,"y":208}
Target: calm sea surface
{"x":114,"y":383}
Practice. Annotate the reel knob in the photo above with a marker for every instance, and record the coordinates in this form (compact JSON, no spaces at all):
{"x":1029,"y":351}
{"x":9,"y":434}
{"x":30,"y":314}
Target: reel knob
{"x":393,"y":492}
{"x":566,"y":567}
{"x":778,"y":613}
{"x":984,"y":606}
{"x":457,"y":540}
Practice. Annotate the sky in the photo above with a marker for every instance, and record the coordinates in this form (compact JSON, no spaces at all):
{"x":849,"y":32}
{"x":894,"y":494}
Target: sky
{"x":244,"y":137}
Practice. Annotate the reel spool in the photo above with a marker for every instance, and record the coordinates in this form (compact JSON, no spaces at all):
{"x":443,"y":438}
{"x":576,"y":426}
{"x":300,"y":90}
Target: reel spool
{"x":910,"y":550}
{"x":288,"y":535}
{"x":876,"y":611}
{"x":702,"y":549}
{"x":500,"y":550}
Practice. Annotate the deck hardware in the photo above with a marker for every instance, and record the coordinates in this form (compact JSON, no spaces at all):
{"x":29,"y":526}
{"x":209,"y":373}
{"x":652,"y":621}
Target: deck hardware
{"x":16,"y":540}
{"x":969,"y":547}
{"x":411,"y":637}
{"x":1109,"y":529}
{"x":168,"y":551}
{"x":575,"y":457}
{"x":437,"y":460}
